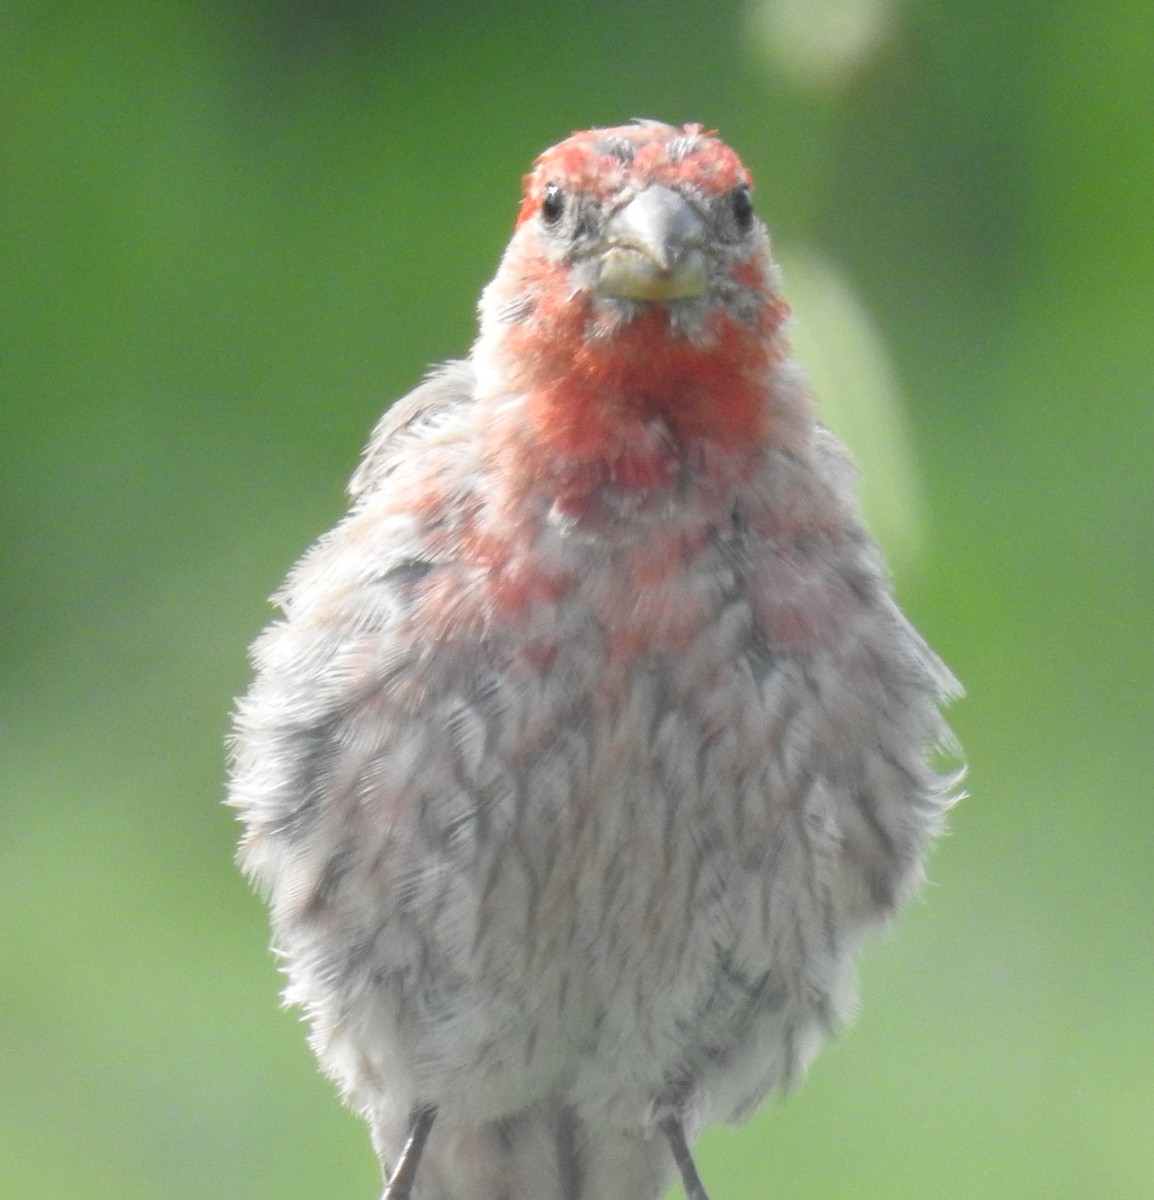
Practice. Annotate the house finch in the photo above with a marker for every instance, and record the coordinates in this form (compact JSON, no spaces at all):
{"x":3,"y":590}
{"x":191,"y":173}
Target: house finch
{"x":591,"y":742}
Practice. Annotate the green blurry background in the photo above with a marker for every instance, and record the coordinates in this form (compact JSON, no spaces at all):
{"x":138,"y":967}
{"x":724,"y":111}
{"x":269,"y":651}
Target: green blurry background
{"x":231,"y":232}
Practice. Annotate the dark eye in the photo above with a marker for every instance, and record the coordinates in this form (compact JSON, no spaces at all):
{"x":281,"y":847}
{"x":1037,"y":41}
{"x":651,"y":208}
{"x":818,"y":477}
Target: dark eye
{"x":552,"y":204}
{"x":743,"y":208}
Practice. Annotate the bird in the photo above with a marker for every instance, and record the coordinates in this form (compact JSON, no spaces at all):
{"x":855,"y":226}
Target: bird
{"x":591,"y":743}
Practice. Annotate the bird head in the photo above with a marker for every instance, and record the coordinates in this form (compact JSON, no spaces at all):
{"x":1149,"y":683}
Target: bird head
{"x":616,"y":221}
{"x":637,"y":304}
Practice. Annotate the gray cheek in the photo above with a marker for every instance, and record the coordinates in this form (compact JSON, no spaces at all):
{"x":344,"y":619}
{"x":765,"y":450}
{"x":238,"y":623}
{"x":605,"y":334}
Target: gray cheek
{"x":583,"y":274}
{"x":744,"y":304}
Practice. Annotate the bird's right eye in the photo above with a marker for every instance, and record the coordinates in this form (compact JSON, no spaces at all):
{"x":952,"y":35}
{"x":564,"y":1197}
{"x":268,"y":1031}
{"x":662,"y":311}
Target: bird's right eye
{"x":743,"y":208}
{"x":552,"y":204}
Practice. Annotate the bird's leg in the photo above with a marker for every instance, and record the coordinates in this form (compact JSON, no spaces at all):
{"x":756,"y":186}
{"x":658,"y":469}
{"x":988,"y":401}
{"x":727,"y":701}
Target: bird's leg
{"x":670,"y":1125}
{"x":400,"y":1183}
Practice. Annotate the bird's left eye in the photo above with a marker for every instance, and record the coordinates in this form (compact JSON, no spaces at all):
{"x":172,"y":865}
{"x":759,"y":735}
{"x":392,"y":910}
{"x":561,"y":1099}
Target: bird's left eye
{"x":742,"y":208}
{"x":552,"y":204}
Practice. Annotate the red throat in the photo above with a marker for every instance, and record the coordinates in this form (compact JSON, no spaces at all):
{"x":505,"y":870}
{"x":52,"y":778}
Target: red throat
{"x":630,"y":407}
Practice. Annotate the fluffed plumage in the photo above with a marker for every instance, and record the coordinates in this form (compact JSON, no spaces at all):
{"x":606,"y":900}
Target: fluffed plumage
{"x":591,"y":742}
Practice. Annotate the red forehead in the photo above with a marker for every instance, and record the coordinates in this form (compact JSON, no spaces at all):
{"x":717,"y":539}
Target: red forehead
{"x":600,"y":162}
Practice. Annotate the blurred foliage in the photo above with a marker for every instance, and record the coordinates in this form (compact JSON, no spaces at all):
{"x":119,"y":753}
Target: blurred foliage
{"x":232,"y":230}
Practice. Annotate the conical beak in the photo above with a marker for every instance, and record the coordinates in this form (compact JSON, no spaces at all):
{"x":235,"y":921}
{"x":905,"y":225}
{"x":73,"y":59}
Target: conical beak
{"x":653,"y":249}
